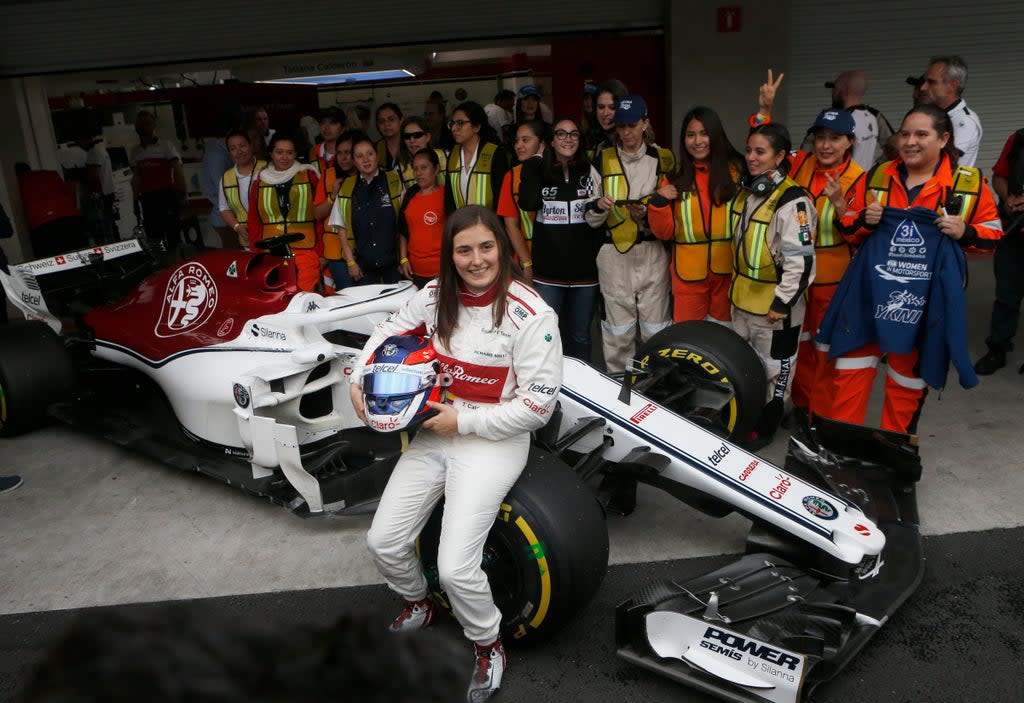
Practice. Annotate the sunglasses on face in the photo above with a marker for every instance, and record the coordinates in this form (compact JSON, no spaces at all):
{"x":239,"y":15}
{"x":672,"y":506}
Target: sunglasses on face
{"x":413,"y":135}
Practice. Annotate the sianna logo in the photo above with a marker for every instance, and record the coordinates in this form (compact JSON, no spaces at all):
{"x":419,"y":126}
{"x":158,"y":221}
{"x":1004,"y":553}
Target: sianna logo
{"x":189,"y":300}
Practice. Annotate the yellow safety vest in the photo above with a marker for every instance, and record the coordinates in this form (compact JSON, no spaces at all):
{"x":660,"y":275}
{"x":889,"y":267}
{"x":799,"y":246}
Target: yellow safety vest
{"x":623,"y":230}
{"x":384,"y":159}
{"x":755,"y":275}
{"x":701,"y":247}
{"x":332,"y":241}
{"x":231,"y":194}
{"x":480,"y":192}
{"x":300,"y":211}
{"x":831,"y":252}
{"x":526,"y":217}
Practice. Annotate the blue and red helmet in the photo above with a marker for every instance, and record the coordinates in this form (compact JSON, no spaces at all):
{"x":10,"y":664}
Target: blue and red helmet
{"x":401,"y":375}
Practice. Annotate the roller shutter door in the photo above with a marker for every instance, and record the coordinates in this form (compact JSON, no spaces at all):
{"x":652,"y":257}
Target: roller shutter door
{"x":46,"y":36}
{"x":890,"y":41}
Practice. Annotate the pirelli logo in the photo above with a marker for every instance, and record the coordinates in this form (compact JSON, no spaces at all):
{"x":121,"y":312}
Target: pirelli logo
{"x":641,"y":414}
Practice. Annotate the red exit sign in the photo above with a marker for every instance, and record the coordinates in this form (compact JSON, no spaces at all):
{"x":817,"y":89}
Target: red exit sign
{"x":730,"y":19}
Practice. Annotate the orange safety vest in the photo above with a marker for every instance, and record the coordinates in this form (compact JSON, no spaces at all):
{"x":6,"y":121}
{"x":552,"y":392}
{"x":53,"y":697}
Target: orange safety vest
{"x":231,"y":194}
{"x":300,"y":210}
{"x":526,"y":217}
{"x":701,"y":247}
{"x":832,"y":254}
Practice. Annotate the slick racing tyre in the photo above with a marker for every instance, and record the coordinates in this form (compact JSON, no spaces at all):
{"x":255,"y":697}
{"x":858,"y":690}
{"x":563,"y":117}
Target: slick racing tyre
{"x":545,"y":556}
{"x":35,"y":372}
{"x":706,"y":373}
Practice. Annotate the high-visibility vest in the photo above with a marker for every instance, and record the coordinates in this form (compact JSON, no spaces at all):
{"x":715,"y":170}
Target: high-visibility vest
{"x":409,"y":180}
{"x":755,"y":274}
{"x":384,"y":158}
{"x":480,"y":191}
{"x":701,"y":247}
{"x":831,"y":252}
{"x":526,"y":217}
{"x":300,"y":210}
{"x":332,"y":241}
{"x":623,"y":230}
{"x":967,"y":182}
{"x":231,"y":193}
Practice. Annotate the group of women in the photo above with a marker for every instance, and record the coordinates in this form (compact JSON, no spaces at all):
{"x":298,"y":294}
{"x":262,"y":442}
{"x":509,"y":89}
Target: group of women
{"x":760,"y":240}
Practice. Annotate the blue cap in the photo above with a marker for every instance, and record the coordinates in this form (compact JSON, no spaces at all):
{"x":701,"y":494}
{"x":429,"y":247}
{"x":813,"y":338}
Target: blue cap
{"x":529,"y":90}
{"x":590,"y":89}
{"x":631,"y":109}
{"x":839,"y":121}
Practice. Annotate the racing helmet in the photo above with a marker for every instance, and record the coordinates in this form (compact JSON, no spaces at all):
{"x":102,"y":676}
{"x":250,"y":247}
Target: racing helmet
{"x":401,"y":375}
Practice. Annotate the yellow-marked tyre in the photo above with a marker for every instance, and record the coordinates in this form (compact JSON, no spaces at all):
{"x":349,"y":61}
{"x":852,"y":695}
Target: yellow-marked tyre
{"x":545,"y":556}
{"x":706,"y":373}
{"x":35,"y":372}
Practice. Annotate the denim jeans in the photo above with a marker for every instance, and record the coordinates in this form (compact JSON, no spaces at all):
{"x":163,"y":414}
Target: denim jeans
{"x":575,"y":306}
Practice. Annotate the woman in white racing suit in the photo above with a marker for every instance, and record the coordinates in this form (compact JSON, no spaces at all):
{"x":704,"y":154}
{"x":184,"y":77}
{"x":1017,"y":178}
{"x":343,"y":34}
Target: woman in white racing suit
{"x":498,"y":345}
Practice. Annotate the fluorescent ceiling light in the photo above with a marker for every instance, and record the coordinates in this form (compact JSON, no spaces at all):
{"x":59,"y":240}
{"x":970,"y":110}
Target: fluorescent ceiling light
{"x":332,"y":78}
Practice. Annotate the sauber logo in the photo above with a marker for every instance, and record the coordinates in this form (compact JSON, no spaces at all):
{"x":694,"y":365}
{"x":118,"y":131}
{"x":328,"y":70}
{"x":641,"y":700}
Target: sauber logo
{"x":643,"y":413}
{"x":189,"y":301}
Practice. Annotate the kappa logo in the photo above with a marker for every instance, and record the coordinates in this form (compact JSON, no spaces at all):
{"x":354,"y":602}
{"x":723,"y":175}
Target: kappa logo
{"x":896,"y":309}
{"x":189,"y":300}
{"x":311,"y":306}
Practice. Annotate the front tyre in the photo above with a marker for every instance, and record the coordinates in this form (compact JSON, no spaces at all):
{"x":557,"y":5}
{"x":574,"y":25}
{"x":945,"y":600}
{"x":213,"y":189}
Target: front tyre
{"x":545,"y":556}
{"x":35,"y":372}
{"x":708,"y":374}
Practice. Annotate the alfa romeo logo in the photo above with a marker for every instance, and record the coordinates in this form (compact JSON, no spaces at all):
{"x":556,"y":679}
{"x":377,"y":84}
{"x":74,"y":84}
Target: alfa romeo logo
{"x":189,"y":300}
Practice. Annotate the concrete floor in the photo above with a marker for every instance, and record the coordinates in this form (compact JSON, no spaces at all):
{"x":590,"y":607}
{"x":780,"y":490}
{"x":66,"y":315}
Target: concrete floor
{"x":96,"y":525}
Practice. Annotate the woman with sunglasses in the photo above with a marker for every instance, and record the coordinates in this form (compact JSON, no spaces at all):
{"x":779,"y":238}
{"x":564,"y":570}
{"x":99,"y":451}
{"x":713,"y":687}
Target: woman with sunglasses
{"x":562,"y":187}
{"x":477,"y":164}
{"x":415,"y":137}
{"x":529,"y":143}
{"x":497,"y":341}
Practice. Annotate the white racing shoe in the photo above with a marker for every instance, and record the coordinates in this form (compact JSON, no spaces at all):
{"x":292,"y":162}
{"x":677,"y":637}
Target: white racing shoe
{"x":488,"y":668}
{"x":417,"y":615}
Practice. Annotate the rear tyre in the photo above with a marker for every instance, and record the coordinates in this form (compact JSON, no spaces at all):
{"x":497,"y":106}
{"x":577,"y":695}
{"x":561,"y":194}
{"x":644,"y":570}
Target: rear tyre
{"x":706,"y":373}
{"x":35,"y":372}
{"x":545,"y":556}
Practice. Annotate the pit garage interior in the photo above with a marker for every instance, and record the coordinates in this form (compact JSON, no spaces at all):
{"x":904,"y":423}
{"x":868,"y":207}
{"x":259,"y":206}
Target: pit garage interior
{"x":94,"y":525}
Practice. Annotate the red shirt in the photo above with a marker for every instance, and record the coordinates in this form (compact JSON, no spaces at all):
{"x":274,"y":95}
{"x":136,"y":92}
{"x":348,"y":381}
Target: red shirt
{"x":1002,"y":167}
{"x":425,"y":220}
{"x":45,"y":197}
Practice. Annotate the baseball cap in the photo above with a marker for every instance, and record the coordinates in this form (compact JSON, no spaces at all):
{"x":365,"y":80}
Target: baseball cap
{"x":915,"y":81}
{"x":529,"y":90}
{"x":590,"y":89}
{"x":839,"y":121}
{"x":631,"y":109}
{"x":830,"y":84}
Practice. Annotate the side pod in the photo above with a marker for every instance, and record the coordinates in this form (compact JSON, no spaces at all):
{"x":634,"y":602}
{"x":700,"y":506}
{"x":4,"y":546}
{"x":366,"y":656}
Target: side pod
{"x":784,"y":617}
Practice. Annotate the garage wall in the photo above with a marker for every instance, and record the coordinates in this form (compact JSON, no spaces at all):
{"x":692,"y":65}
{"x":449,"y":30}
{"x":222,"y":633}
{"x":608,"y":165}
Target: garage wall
{"x":76,"y":36}
{"x":892,"y":41}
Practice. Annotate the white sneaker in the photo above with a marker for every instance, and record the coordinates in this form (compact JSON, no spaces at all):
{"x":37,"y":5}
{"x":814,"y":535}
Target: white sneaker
{"x":488,"y":668}
{"x":416,"y":616}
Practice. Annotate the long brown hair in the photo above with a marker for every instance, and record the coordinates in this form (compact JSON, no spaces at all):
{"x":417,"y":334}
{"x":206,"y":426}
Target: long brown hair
{"x":449,"y":280}
{"x":725,"y":163}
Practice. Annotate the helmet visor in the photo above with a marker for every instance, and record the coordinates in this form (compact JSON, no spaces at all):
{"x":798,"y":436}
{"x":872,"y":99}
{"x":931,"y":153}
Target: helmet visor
{"x":387,"y":379}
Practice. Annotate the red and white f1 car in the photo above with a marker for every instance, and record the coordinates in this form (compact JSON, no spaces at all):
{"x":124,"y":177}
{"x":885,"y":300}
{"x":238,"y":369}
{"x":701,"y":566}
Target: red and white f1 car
{"x":219,"y":364}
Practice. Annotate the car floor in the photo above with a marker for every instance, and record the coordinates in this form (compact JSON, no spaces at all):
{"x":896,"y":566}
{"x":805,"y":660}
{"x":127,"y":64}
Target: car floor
{"x":94,"y":524}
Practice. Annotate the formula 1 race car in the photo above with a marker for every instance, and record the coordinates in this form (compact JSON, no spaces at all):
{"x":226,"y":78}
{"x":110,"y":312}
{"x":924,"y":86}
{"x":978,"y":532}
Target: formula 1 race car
{"x":219,"y":364}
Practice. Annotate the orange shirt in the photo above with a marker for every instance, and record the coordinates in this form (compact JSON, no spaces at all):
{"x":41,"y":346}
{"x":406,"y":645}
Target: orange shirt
{"x":424,"y":221}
